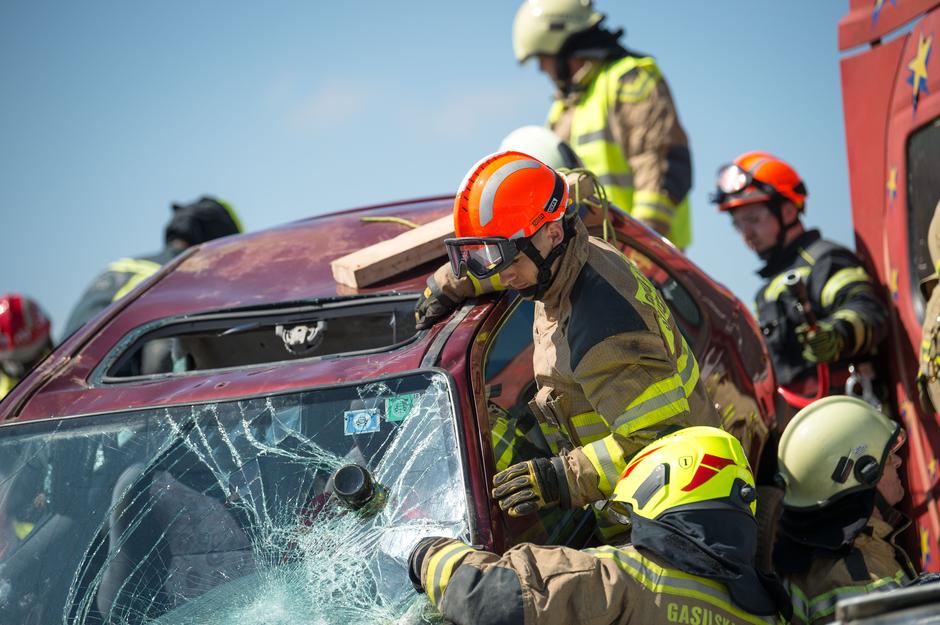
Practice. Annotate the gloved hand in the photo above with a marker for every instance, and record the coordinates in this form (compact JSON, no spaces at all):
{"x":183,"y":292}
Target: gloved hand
{"x":532,"y":485}
{"x":432,"y":305}
{"x":416,"y":561}
{"x":822,"y":344}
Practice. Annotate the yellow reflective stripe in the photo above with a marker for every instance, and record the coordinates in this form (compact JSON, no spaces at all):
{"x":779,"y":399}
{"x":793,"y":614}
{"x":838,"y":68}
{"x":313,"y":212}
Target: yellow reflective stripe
{"x":502,"y":444}
{"x":776,"y":287}
{"x":493,"y":285}
{"x":687,"y":365}
{"x":859,"y":328}
{"x":6,"y":384}
{"x":23,"y":529}
{"x":840,"y":280}
{"x":141,"y":270}
{"x":660,"y":401}
{"x":652,"y":205}
{"x":590,"y":427}
{"x":659,"y":579}
{"x":820,"y":606}
{"x":553,"y":436}
{"x":642,"y":83}
{"x":440,"y":568}
{"x":606,"y":457}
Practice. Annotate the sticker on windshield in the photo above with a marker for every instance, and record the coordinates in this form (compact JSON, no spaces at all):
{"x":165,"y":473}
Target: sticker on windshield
{"x":399,"y":407}
{"x":361,"y":421}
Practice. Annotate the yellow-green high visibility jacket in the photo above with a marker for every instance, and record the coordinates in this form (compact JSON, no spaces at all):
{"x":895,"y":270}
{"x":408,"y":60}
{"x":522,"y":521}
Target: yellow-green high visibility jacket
{"x":874,"y":564}
{"x":623,"y":124}
{"x":532,"y":585}
{"x":6,"y":384}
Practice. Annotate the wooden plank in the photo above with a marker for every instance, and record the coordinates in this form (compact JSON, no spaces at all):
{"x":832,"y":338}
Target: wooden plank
{"x":390,"y":257}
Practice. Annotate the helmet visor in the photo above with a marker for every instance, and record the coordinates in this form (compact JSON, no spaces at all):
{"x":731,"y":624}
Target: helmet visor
{"x":733,"y":182}
{"x":482,"y":257}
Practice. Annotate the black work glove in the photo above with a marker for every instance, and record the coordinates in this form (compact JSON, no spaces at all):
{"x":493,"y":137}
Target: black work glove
{"x":432,"y":305}
{"x":416,"y":560}
{"x":823,"y":343}
{"x":532,"y":485}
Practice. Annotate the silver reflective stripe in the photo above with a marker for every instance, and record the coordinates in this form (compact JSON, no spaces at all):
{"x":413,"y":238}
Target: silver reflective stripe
{"x":618,"y":180}
{"x":493,"y":184}
{"x":651,"y":404}
{"x":686,"y":374}
{"x":591,"y":429}
{"x":659,"y":207}
{"x":607,"y":464}
{"x":827,"y":604}
{"x":604,"y":134}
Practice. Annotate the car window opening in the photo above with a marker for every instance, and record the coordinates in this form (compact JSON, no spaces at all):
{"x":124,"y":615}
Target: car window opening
{"x":220,"y":341}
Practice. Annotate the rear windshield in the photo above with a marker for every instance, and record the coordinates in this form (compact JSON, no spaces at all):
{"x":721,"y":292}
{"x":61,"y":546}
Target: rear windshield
{"x":225,"y":513}
{"x":221,"y":341}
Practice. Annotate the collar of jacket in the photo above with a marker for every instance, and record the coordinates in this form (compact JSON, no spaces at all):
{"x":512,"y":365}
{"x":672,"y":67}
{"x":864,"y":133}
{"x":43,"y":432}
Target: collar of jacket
{"x":568,"y":269}
{"x":783,"y":259}
{"x":718,"y":544}
{"x":580,"y":82}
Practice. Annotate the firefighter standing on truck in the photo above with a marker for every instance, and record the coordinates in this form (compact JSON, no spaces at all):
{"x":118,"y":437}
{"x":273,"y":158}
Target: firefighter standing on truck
{"x":612,"y":368}
{"x":613,"y":106}
{"x":765,"y":198}
{"x":689,"y":498}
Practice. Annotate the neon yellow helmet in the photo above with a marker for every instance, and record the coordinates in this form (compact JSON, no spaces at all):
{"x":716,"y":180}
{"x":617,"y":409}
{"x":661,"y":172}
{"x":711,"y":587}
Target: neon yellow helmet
{"x":686,"y":469}
{"x":543,"y":26}
{"x":835,"y":446}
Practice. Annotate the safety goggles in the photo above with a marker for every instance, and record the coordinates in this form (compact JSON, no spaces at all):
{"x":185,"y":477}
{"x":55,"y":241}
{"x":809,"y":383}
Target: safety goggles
{"x":733,"y":180}
{"x":482,"y":257}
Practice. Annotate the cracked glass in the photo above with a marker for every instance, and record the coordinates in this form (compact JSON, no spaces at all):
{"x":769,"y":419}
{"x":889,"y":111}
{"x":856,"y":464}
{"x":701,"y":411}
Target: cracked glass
{"x":225,"y":512}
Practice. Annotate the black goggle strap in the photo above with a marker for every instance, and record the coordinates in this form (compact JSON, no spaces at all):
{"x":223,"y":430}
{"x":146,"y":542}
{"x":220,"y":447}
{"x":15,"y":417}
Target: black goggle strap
{"x":558,"y":193}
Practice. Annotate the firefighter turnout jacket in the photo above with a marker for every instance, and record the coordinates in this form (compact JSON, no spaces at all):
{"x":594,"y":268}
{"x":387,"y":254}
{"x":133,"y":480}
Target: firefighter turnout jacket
{"x":621,"y":121}
{"x":612,"y":369}
{"x":558,"y":586}
{"x":839,"y":290}
{"x":874,"y":563}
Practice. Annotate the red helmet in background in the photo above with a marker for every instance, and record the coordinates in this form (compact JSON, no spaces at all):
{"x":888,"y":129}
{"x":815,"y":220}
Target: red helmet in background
{"x":758,"y":177}
{"x":24,"y":329}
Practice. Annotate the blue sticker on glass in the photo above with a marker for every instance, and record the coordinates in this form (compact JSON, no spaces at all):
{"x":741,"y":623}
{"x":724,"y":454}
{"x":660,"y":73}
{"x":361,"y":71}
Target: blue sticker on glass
{"x":361,"y":421}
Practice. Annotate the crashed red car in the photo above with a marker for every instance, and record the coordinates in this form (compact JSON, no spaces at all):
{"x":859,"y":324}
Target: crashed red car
{"x":178,"y":459}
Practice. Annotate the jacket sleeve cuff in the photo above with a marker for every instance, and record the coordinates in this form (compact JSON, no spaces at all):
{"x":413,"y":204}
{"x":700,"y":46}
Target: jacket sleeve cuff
{"x":441,"y":560}
{"x":581,"y":477}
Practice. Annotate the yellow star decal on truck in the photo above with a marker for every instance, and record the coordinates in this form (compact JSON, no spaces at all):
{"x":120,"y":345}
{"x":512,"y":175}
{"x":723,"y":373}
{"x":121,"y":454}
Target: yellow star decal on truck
{"x":892,"y":182}
{"x":918,"y":68}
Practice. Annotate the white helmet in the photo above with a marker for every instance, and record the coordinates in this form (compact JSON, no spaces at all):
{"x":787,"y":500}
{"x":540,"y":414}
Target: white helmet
{"x":835,"y":446}
{"x":543,"y":144}
{"x":543,"y":26}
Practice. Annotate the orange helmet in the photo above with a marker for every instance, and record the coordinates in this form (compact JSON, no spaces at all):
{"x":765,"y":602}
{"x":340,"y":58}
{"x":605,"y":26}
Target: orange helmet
{"x":758,"y":177}
{"x":508,"y":194}
{"x":504,"y":200}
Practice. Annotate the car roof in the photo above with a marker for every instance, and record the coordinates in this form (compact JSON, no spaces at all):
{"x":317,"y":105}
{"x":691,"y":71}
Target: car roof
{"x":286,"y":264}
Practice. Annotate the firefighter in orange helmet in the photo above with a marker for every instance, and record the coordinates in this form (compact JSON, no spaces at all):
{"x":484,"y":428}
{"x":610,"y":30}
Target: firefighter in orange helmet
{"x":766,"y":197}
{"x":25,"y":338}
{"x":689,"y":498}
{"x":612,"y":368}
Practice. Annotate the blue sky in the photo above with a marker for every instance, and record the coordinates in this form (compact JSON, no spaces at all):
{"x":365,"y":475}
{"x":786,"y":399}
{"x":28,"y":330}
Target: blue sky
{"x":112,"y":110}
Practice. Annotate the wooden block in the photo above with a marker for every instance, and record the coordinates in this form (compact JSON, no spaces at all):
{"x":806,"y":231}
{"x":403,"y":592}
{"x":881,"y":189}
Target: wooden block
{"x":386,"y":258}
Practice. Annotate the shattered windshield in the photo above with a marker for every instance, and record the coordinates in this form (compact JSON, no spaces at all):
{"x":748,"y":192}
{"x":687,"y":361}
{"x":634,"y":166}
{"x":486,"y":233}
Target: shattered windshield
{"x":227,"y":512}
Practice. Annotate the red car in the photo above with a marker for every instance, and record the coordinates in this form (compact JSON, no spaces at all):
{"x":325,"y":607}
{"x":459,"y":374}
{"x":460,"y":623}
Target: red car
{"x":178,"y":459}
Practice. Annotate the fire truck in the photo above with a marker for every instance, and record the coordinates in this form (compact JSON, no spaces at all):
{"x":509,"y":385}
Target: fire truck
{"x":891,"y":100}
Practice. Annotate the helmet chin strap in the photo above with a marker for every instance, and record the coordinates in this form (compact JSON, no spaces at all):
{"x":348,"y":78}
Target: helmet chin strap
{"x":773,"y":251}
{"x":544,"y":264}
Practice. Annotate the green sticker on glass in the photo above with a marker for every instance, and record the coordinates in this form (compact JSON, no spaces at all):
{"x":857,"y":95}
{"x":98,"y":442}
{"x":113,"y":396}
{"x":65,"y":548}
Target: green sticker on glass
{"x":399,"y":407}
